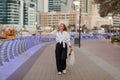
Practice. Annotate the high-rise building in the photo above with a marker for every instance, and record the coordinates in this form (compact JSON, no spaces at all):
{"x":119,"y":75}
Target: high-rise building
{"x":89,"y":14}
{"x":30,"y":15}
{"x":40,"y":5}
{"x":50,"y":19}
{"x":9,"y":12}
{"x":38,"y":12}
{"x":36,"y":6}
{"x":29,"y":12}
{"x":19,"y":13}
{"x":54,"y":5}
{"x":67,"y":5}
{"x":116,"y":21}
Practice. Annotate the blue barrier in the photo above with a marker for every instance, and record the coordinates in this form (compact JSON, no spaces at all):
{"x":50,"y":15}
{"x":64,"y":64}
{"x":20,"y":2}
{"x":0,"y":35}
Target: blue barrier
{"x":12,"y":48}
{"x":1,"y":63}
{"x":4,"y":55}
{"x":89,"y":36}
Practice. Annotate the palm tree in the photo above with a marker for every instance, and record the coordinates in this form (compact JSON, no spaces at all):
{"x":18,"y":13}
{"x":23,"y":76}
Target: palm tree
{"x":54,"y":26}
{"x":108,"y":6}
{"x":71,"y":26}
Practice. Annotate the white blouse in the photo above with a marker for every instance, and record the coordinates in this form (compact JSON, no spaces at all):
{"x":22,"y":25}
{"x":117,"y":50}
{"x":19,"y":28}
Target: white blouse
{"x":62,"y":37}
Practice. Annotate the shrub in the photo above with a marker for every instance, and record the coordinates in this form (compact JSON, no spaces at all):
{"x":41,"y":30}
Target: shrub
{"x":115,"y":38}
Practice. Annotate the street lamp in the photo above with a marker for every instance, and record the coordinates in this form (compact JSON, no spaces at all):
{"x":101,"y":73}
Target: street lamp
{"x":78,"y":4}
{"x":36,"y":25}
{"x":110,"y":23}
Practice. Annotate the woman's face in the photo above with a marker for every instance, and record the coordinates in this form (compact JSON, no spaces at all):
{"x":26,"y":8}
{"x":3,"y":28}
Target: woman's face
{"x":61,"y":27}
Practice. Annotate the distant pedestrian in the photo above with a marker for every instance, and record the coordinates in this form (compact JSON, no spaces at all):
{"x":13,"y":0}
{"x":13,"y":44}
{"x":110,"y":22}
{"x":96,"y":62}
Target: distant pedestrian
{"x":62,"y":43}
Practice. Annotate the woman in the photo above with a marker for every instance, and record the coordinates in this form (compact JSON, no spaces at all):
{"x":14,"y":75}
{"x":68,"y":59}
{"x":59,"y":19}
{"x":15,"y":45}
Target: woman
{"x":62,"y":39}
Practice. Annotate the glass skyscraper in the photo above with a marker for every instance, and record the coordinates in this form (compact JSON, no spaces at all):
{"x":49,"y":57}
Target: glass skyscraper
{"x":9,"y":11}
{"x":54,"y":5}
{"x":18,"y":12}
{"x":30,"y":12}
{"x":27,"y":5}
{"x":25,"y":14}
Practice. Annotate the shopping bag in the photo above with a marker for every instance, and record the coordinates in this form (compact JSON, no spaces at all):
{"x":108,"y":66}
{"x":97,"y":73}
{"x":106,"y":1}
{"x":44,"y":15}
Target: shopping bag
{"x":72,"y":58}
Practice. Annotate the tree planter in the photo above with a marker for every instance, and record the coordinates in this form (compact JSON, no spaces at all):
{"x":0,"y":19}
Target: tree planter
{"x":115,"y":38}
{"x":117,"y":43}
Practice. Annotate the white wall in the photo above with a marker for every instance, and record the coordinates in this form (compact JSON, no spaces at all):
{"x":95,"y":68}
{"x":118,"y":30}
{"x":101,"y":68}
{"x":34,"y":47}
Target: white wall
{"x":21,"y":14}
{"x":45,"y":5}
{"x":41,"y":5}
{"x":31,"y":16}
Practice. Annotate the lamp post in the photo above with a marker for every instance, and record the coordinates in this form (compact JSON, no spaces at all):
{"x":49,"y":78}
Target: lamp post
{"x":36,"y":25}
{"x":80,"y":27}
{"x":110,"y":23}
{"x":78,"y":4}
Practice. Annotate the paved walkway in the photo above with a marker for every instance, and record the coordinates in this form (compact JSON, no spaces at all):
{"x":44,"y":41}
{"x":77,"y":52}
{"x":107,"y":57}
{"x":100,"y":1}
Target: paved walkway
{"x":41,"y":66}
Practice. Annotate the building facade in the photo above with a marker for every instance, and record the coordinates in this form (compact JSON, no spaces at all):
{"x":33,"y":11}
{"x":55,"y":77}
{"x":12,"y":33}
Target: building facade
{"x":30,"y":12}
{"x":9,"y":12}
{"x":54,"y":5}
{"x":51,"y":19}
{"x":89,"y":12}
{"x":91,"y":18}
{"x":116,"y":21}
{"x":89,"y":15}
{"x":19,"y":14}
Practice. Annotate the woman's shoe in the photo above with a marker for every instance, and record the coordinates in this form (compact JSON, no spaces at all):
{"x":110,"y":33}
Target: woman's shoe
{"x":64,"y":71}
{"x":59,"y":73}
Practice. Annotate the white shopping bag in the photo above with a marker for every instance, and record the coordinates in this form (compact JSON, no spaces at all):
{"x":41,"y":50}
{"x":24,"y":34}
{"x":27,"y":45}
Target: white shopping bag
{"x":72,"y":58}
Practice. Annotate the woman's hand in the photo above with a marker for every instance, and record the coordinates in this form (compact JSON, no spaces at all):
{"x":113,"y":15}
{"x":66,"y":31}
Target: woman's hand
{"x":70,"y":48}
{"x":70,"y":52}
{"x":57,"y":28}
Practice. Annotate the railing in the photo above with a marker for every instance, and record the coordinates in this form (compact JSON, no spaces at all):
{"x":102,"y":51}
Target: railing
{"x":9,"y":49}
{"x":91,"y":36}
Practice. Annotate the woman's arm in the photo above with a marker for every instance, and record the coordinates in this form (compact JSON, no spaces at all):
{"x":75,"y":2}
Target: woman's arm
{"x":68,"y":38}
{"x":55,"y":31}
{"x":69,"y":43}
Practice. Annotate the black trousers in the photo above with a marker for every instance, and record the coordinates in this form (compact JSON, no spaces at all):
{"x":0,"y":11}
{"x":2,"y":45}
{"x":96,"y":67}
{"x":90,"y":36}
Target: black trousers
{"x":61,"y":56}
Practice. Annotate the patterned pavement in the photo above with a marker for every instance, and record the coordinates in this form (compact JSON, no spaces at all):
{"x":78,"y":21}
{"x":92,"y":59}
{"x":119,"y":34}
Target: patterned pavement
{"x":89,"y":64}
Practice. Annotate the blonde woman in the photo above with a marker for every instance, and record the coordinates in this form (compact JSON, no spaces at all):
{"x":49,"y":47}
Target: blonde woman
{"x":62,"y":44}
